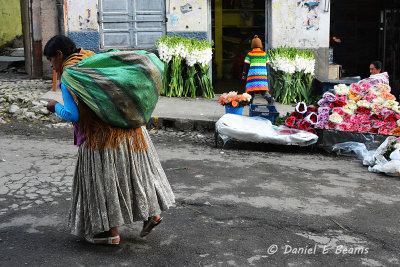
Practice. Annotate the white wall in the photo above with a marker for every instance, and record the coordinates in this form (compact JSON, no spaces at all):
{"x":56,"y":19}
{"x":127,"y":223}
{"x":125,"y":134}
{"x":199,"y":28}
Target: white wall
{"x":300,"y":23}
{"x":82,"y":15}
{"x":192,"y":21}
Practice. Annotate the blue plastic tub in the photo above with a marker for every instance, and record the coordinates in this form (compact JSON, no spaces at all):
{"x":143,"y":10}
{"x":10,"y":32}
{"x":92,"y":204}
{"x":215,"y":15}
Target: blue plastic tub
{"x":266,"y":111}
{"x":234,"y":110}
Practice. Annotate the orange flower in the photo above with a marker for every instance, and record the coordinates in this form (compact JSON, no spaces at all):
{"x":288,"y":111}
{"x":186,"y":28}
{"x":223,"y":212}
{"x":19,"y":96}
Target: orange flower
{"x":395,"y":131}
{"x":352,"y":95}
{"x":388,"y":96}
{"x":234,"y":100}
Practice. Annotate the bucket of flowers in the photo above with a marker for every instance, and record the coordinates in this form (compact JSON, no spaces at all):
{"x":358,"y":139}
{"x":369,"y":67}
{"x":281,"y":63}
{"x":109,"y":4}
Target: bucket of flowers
{"x":234,"y":102}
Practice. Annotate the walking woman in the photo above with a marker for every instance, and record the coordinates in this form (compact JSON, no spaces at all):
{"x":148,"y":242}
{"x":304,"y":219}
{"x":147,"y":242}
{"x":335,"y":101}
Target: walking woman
{"x":118,"y":177}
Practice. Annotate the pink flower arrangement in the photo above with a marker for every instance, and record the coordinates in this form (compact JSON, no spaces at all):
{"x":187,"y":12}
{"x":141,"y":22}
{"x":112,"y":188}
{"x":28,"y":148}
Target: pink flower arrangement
{"x":342,"y":98}
{"x":362,"y":117}
{"x":321,"y":124}
{"x":346,"y":118}
{"x":355,"y":88}
{"x":323,"y":110}
{"x":391,"y":125}
{"x":365,"y":88}
{"x":369,"y":97}
{"x":323,"y":103}
{"x":364,"y":128}
{"x":355,"y":119}
{"x":376,"y":108}
{"x":338,"y":111}
{"x":379,"y":123}
{"x":384,"y":130}
{"x":329,"y":97}
{"x":343,"y":127}
{"x":365,"y":110}
{"x":304,"y":118}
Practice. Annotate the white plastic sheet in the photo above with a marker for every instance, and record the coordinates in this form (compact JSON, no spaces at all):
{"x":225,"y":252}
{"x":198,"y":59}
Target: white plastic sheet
{"x":374,"y":158}
{"x":261,"y":130}
{"x":391,"y":167}
{"x":359,"y":149}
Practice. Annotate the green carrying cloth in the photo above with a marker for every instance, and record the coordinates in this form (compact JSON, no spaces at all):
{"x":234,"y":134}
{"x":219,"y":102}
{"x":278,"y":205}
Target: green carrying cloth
{"x":121,"y":88}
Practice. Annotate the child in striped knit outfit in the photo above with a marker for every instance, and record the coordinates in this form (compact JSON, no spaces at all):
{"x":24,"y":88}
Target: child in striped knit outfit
{"x":255,"y":69}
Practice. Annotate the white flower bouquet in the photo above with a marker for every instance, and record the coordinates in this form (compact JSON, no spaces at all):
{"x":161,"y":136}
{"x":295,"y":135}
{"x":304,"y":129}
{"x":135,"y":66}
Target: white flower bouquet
{"x":185,"y":66}
{"x":293,"y":73}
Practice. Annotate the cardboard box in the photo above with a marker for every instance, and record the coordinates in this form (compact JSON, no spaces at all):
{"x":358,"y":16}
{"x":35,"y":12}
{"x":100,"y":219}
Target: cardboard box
{"x":334,"y":71}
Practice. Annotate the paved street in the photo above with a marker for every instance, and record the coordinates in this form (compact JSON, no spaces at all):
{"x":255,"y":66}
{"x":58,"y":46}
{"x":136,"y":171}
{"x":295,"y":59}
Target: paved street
{"x":238,"y":206}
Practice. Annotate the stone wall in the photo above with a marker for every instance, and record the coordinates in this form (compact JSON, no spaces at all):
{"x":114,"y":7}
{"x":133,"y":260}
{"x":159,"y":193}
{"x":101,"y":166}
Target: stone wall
{"x":49,"y":28}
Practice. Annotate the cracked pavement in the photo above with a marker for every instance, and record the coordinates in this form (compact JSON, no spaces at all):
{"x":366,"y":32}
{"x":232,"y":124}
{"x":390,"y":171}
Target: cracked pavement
{"x":235,"y":206}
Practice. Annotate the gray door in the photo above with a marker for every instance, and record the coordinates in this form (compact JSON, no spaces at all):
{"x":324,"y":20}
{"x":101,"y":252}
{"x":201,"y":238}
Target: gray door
{"x":133,"y":24}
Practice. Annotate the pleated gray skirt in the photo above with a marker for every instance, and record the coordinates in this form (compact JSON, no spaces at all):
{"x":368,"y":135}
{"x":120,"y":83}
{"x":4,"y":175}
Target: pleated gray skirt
{"x":117,"y":187}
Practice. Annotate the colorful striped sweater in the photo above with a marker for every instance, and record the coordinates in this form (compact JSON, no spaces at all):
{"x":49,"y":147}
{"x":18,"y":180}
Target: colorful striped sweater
{"x":256,"y":63}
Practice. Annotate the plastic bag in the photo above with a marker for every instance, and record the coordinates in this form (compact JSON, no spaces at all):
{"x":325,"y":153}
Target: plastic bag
{"x":379,"y":158}
{"x":332,"y":137}
{"x":391,"y":168}
{"x":359,"y":149}
{"x":260,"y":130}
{"x":395,"y":155}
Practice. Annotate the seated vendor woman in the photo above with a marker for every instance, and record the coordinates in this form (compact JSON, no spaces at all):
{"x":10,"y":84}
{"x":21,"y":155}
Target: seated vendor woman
{"x":377,"y":76}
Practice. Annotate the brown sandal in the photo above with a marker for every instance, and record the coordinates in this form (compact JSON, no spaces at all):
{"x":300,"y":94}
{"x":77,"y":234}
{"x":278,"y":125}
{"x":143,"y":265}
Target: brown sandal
{"x":149,"y":225}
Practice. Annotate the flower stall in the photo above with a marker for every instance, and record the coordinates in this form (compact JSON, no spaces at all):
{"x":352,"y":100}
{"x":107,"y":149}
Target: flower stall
{"x":292,"y":76}
{"x":185,"y":66}
{"x":369,"y":111}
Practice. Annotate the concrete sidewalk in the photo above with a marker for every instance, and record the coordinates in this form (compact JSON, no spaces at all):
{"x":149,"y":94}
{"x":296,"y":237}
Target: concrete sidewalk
{"x":188,"y":113}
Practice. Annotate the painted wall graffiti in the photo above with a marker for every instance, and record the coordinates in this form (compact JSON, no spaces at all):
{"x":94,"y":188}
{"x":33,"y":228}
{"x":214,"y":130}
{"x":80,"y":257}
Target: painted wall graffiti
{"x":83,"y":27}
{"x":300,"y":23}
{"x":309,"y":13}
{"x":82,"y":15}
{"x":84,"y":20}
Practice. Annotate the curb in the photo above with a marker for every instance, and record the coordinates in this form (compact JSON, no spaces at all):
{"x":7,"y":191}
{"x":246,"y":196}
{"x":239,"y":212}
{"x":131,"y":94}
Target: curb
{"x":181,"y":124}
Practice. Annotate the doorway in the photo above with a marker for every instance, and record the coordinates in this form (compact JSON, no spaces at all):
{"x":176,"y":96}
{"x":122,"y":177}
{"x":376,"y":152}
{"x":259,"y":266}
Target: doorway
{"x":389,"y":44}
{"x":234,"y":24}
{"x":369,"y":30}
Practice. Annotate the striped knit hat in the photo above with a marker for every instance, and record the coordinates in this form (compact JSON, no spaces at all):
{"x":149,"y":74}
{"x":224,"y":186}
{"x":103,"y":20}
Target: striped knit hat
{"x":256,"y":42}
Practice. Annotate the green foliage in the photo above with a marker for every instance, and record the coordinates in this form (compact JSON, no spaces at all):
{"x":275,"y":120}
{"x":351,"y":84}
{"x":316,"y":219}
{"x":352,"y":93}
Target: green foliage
{"x":389,"y":150}
{"x":281,"y":120}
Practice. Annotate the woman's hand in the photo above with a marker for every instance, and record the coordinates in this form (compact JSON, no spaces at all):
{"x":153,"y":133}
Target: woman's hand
{"x":51,"y":105}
